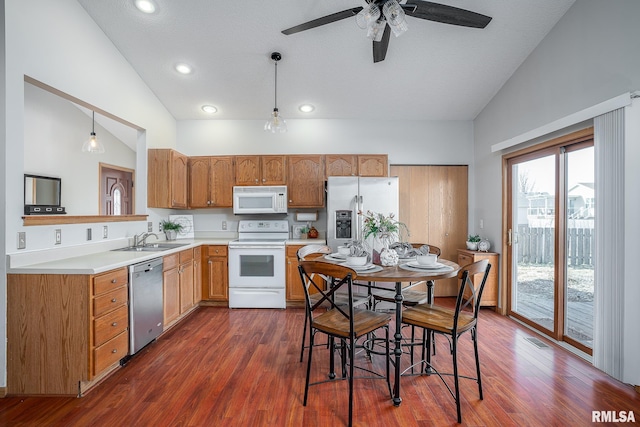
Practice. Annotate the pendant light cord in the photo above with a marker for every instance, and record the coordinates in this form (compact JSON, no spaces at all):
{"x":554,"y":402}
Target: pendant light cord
{"x":275,"y":94}
{"x":93,"y":122}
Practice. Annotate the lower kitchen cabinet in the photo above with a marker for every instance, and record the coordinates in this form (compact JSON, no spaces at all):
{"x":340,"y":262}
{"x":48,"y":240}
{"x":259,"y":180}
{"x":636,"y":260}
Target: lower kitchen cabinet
{"x":215,"y":286}
{"x":65,"y":332}
{"x":186,"y":278}
{"x":170,"y":289}
{"x":490,"y":292}
{"x":197,"y":275}
{"x":294,"y":290}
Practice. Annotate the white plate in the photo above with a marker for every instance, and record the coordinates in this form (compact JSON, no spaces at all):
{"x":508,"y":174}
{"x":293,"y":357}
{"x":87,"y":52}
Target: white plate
{"x":436,"y":266}
{"x":359,"y":267}
{"x":330,"y":257}
{"x":338,"y":255}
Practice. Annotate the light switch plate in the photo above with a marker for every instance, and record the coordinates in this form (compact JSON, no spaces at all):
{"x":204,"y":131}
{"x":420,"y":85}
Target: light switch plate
{"x":105,"y":232}
{"x":22,"y":240}
{"x":58,"y":234}
{"x":150,"y":226}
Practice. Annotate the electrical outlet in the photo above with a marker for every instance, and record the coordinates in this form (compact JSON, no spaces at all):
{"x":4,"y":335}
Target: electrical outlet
{"x":22,"y":240}
{"x":224,"y":225}
{"x":160,"y":227}
{"x":88,"y":234}
{"x":150,"y":226}
{"x":58,"y":236}
{"x":105,"y":231}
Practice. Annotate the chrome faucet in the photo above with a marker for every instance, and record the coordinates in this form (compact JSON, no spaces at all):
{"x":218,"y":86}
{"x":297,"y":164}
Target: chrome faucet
{"x":139,"y":240}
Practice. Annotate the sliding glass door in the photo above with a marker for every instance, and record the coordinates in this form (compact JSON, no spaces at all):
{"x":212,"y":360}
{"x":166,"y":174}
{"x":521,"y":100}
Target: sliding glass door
{"x":550,"y":225}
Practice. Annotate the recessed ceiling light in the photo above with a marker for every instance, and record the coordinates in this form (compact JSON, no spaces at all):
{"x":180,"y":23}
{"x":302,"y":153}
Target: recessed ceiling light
{"x":209,"y":109}
{"x":306,"y":108}
{"x":183,"y":68}
{"x":146,"y":6}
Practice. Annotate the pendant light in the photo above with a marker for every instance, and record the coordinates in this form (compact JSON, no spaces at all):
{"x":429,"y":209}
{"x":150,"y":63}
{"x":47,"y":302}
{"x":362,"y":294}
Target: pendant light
{"x":92,"y":145}
{"x":275,"y":122}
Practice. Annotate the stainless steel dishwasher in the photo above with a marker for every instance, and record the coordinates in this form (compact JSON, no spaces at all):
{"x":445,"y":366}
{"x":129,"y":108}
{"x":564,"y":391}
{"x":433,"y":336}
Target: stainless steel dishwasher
{"x":145,"y":303}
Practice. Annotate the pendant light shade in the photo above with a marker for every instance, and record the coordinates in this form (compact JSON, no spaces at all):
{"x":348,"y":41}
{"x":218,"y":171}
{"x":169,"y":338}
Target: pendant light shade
{"x":92,"y":145}
{"x":275,"y":123}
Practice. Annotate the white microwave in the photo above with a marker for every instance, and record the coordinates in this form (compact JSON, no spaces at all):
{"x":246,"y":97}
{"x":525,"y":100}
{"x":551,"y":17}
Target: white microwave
{"x":260,"y":200}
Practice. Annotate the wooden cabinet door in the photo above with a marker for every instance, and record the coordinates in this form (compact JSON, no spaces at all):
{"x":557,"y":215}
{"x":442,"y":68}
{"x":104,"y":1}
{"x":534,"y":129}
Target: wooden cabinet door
{"x":373,"y":165}
{"x":216,"y":286}
{"x":179,"y":171}
{"x":433,"y":205}
{"x":197,"y":275}
{"x":294,"y":290}
{"x":341,"y":165}
{"x":186,"y":286}
{"x":306,"y":181}
{"x":221,"y":182}
{"x":247,"y":170}
{"x":171,"y":295}
{"x":273,"y":170}
{"x":199,"y":192}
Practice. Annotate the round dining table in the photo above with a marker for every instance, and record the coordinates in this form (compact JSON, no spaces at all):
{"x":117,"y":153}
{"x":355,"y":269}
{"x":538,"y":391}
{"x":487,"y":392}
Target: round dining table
{"x":401,"y":275}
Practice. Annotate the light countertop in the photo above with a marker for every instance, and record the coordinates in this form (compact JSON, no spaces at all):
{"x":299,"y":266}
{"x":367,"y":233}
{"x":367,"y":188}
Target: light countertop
{"x":101,"y":261}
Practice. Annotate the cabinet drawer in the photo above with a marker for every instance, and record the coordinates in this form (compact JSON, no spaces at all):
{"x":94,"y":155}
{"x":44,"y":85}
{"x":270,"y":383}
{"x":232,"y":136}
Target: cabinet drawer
{"x":109,"y":281}
{"x":186,"y":256}
{"x":110,"y":325}
{"x":464,"y":260}
{"x":170,"y":261}
{"x":217,"y":250}
{"x":110,"y":352}
{"x":110,"y":301}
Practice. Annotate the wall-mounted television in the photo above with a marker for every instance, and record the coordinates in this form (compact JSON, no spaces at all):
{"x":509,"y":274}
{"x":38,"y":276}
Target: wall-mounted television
{"x":42,"y":195}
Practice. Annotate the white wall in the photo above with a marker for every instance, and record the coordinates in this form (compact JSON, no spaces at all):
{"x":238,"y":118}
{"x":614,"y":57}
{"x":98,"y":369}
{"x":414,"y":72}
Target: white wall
{"x":587,"y":58}
{"x":57,"y":43}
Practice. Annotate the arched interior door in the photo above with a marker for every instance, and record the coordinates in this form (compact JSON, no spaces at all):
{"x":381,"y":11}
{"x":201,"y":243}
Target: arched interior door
{"x":116,"y":190}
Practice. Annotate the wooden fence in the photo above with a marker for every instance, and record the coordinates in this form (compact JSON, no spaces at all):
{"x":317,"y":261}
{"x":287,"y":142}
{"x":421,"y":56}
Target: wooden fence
{"x":535,"y":245}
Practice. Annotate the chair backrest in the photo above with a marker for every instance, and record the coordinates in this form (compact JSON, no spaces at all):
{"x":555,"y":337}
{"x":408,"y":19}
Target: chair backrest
{"x":312,"y":276}
{"x":432,"y":249}
{"x":312,"y":249}
{"x":470,"y":294}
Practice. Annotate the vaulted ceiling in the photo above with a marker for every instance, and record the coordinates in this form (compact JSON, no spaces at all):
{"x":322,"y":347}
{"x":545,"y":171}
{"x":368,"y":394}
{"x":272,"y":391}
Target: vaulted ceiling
{"x":432,"y":72}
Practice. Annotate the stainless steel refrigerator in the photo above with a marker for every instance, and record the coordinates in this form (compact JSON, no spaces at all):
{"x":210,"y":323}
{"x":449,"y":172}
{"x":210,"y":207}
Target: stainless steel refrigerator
{"x":348,"y":195}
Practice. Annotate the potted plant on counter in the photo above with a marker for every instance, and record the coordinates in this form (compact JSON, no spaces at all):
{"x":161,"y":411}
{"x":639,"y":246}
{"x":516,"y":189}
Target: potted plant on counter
{"x":472,"y":242}
{"x":171,"y":229}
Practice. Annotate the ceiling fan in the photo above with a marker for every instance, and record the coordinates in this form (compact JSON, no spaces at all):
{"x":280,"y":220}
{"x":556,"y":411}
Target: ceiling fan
{"x":381,"y":17}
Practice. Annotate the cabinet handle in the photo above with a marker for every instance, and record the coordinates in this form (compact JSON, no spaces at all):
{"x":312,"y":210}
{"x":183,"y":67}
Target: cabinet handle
{"x":114,"y":324}
{"x":264,"y":180}
{"x":115,"y":350}
{"x":114,"y":281}
{"x":114,"y":300}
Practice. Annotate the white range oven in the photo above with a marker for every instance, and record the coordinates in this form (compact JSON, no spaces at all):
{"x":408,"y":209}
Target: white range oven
{"x":257,"y":272}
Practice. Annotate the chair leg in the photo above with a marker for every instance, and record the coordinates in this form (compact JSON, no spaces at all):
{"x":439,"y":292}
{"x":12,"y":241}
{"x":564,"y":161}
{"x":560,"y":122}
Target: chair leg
{"x":455,"y":376}
{"x":306,"y":385}
{"x":332,"y":359}
{"x":474,"y":336}
{"x":352,"y":355}
{"x":304,"y":334}
{"x":427,"y":336}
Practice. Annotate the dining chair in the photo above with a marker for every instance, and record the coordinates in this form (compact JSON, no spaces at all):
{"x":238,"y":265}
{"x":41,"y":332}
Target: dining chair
{"x":435,"y":319}
{"x":339,"y":298}
{"x":345,"y":323}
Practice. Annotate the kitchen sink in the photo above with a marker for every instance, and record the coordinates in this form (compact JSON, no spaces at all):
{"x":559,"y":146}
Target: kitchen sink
{"x":153,"y":247}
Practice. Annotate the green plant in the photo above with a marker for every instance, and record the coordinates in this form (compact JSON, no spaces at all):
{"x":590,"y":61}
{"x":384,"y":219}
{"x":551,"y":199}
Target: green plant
{"x":475,"y":238}
{"x":384,"y":227}
{"x":304,"y":230}
{"x":171,"y":225}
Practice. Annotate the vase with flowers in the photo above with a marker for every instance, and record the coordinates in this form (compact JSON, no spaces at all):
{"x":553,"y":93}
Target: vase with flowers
{"x":379,"y":231}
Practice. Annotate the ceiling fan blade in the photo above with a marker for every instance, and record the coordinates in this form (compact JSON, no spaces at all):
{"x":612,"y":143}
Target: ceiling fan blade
{"x":380,"y":48}
{"x":446,"y":14}
{"x":323,"y":21}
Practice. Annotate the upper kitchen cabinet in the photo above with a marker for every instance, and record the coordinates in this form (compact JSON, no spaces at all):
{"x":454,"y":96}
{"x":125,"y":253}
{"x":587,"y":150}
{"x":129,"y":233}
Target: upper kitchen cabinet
{"x":373,"y":165}
{"x":306,"y":181}
{"x":356,"y":165}
{"x":211,"y":182}
{"x":166,"y":179}
{"x":341,"y":165}
{"x":261,"y":170}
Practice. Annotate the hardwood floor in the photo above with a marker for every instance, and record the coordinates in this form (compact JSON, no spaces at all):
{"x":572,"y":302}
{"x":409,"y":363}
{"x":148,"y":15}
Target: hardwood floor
{"x":241,"y":368}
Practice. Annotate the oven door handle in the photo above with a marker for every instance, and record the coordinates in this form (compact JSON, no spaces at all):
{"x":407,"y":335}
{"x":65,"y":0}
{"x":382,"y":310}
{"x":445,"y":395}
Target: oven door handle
{"x":257,"y":247}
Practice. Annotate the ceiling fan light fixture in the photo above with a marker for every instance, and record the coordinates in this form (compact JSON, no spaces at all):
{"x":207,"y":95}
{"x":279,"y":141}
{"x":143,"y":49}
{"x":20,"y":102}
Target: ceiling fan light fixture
{"x":368,"y":15}
{"x":92,"y":145}
{"x":395,"y":16}
{"x":275,"y":122}
{"x":376,"y":30}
